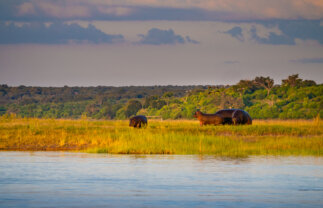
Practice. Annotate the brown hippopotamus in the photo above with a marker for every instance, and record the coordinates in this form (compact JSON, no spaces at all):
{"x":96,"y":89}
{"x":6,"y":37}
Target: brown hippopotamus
{"x":206,"y":119}
{"x":237,"y":116}
{"x":138,"y":121}
{"x":226,"y":116}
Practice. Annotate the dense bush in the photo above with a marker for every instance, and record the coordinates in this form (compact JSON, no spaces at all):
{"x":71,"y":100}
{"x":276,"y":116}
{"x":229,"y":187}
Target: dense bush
{"x":295,"y":98}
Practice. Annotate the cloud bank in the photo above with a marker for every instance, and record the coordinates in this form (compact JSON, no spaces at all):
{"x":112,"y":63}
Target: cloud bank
{"x":161,"y":9}
{"x":308,"y":61}
{"x":157,"y":36}
{"x":236,"y":32}
{"x":62,"y":33}
{"x":55,"y":33}
{"x":290,"y":31}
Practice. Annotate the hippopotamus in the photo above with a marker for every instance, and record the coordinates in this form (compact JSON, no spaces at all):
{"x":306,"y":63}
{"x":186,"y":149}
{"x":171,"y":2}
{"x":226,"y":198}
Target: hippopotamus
{"x":226,"y":116}
{"x":206,"y":119}
{"x":237,"y":116}
{"x":138,"y":121}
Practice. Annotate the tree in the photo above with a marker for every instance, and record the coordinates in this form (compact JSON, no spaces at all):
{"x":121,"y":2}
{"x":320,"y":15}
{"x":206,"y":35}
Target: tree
{"x":132,"y":107}
{"x":154,"y":102}
{"x":243,"y":85}
{"x":265,"y":82}
{"x":228,"y":101}
{"x":167,"y":96}
{"x":292,"y":81}
{"x":308,"y":83}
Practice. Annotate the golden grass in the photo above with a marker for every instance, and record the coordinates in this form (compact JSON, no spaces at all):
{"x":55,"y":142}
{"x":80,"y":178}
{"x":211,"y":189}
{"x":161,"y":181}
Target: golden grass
{"x":264,"y":137}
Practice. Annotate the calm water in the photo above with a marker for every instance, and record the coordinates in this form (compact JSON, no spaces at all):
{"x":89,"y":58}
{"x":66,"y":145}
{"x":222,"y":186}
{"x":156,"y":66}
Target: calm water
{"x":60,"y":179}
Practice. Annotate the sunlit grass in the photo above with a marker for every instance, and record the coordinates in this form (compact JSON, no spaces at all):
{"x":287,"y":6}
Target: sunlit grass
{"x":264,"y":137}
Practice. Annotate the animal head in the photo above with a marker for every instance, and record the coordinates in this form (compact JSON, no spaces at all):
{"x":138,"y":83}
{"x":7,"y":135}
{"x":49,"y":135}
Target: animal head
{"x":132,"y":122}
{"x":197,"y":113}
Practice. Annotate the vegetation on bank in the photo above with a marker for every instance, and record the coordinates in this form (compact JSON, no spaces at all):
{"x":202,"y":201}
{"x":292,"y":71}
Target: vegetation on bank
{"x":294,"y":98}
{"x":264,"y":137}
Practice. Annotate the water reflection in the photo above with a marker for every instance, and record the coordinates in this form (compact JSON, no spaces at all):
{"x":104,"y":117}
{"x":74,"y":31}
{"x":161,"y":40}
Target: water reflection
{"x":64,"y":179}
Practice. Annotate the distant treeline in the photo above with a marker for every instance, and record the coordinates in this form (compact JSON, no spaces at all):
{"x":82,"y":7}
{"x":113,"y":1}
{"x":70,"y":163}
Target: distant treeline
{"x":293,"y":98}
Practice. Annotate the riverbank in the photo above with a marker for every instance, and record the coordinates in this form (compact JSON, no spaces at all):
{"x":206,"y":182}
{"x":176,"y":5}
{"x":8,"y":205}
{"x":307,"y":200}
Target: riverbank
{"x":264,"y":137}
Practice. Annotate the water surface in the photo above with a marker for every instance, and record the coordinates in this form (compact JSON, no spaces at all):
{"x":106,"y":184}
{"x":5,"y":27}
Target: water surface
{"x":62,"y":179}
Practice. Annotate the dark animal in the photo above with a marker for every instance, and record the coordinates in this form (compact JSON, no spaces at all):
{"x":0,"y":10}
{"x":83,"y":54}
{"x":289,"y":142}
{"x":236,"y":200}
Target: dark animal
{"x":227,"y":116}
{"x":138,"y":121}
{"x":237,"y":116}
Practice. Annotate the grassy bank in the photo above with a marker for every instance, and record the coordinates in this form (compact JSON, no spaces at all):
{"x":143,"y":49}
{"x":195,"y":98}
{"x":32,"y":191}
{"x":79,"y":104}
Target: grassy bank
{"x":264,"y":137}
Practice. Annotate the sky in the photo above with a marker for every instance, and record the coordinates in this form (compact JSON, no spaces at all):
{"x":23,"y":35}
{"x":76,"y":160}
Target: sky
{"x":158,"y":42}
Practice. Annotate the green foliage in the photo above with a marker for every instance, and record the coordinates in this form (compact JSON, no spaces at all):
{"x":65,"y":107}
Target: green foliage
{"x":265,"y":82}
{"x":293,"y":99}
{"x":132,"y":107}
{"x":154,"y":102}
{"x":121,"y":114}
{"x":2,"y":110}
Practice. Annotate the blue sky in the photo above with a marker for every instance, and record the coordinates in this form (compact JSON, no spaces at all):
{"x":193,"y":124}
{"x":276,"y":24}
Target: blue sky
{"x":155,"y":42}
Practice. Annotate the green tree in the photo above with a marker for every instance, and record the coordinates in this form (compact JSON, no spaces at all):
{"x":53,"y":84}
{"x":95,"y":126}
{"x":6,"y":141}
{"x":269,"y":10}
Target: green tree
{"x":292,"y":81}
{"x":243,"y":85}
{"x":265,"y":82}
{"x":167,"y":96}
{"x":132,"y":107}
{"x":308,"y":83}
{"x":121,"y":114}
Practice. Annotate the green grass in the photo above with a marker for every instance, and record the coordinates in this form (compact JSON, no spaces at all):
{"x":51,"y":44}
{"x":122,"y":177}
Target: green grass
{"x":264,"y":137}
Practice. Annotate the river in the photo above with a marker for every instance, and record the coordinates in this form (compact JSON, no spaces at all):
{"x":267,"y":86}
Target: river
{"x":65,"y":179}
